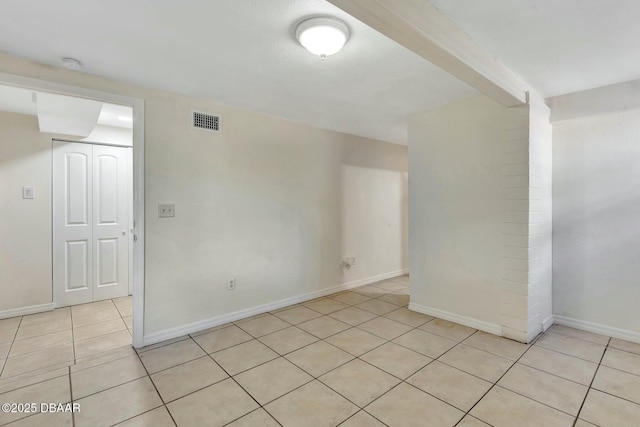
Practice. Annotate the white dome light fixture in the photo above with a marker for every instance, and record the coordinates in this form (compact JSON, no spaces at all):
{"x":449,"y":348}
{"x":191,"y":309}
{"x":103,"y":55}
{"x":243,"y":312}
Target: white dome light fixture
{"x":322,"y":36}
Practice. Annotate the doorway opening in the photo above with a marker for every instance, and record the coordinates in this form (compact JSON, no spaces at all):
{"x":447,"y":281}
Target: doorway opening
{"x":36,"y":164}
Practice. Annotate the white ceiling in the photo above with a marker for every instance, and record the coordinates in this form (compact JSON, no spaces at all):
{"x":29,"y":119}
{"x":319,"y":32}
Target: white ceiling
{"x":557,"y":46}
{"x":236,"y":52}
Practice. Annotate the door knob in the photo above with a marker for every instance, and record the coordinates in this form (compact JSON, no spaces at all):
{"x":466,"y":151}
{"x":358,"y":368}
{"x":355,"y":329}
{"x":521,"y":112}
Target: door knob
{"x":124,"y":232}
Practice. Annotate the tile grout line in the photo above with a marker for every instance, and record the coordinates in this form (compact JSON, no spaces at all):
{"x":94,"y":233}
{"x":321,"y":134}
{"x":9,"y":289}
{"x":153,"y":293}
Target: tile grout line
{"x":4,"y":366}
{"x":591,"y":384}
{"x":494,"y":384}
{"x":155,"y":388}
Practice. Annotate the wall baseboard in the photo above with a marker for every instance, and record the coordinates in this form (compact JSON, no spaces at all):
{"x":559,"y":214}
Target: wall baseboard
{"x":546,"y":323}
{"x":452,"y":317}
{"x":23,"y":311}
{"x":190,"y":328}
{"x":597,"y":328}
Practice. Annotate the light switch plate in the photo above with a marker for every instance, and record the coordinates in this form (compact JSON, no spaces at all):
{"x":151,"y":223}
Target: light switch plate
{"x":27,"y":193}
{"x":166,"y":210}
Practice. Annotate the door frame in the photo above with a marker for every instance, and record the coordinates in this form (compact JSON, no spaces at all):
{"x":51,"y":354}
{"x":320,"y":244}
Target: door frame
{"x":138,"y":177}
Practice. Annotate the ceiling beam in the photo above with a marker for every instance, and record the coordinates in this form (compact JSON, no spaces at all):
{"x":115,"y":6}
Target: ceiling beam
{"x":421,"y":28}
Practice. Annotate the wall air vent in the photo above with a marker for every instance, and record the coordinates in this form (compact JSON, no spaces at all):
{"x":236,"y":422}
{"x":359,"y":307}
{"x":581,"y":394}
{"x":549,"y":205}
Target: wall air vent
{"x":208,"y":122}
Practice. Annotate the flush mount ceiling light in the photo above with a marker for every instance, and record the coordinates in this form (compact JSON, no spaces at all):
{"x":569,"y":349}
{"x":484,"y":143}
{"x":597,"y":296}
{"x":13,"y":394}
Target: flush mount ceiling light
{"x":71,"y":63}
{"x":322,"y":36}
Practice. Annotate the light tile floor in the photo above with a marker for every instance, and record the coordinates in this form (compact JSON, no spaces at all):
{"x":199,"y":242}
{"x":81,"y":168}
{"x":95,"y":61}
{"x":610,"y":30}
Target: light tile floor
{"x":356,"y":358}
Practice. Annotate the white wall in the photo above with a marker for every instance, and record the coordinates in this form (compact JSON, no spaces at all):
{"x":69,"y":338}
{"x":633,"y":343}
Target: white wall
{"x":596,"y":221}
{"x":25,"y":225}
{"x":456,"y":218}
{"x":270,"y":202}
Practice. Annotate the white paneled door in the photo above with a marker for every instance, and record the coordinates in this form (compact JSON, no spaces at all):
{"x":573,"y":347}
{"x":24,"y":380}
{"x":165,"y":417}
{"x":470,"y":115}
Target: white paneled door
{"x":90,"y":222}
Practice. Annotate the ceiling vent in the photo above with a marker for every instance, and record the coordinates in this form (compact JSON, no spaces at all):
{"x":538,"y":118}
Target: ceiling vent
{"x":205,"y":121}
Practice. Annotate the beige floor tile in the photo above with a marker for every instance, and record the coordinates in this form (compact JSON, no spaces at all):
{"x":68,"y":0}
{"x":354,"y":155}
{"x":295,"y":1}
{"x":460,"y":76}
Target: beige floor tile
{"x":583,"y":423}
{"x":405,"y":291}
{"x":222,"y":338}
{"x":103,"y":343}
{"x":500,"y":407}
{"x":551,"y":390}
{"x":631,"y":347}
{"x":216,"y":405}
{"x":618,"y":383}
{"x":100,"y":358}
{"x":353,"y":316}
{"x":48,"y":419}
{"x":391,"y":286}
{"x":28,"y":331}
{"x":371,"y":291}
{"x":351,"y":298}
{"x":171,"y":355}
{"x":55,"y":316}
{"x":10,"y":323}
{"x":404,"y":279}
{"x":377,"y":306}
{"x":469,"y":421}
{"x":312,"y":405}
{"x":355,"y":341}
{"x":272,"y":379}
{"x":92,"y":307}
{"x":396,"y":360}
{"x":263,"y":325}
{"x":52,"y":356}
{"x":385,"y":328}
{"x":605,"y":410}
{"x":325,"y":305}
{"x":128,"y":321}
{"x":408,"y":317}
{"x":97,"y":329}
{"x":359,"y":382}
{"x":500,"y":346}
{"x":362,"y":419}
{"x":158,"y":417}
{"x":186,"y":378}
{"x":572,"y":346}
{"x":124,"y":305}
{"x":319,"y":358}
{"x":117,"y":404}
{"x":323,"y":327}
{"x":397,"y":299}
{"x":96,"y":317}
{"x":107,"y":375}
{"x":577,"y":333}
{"x":288,"y":340}
{"x":622,"y":360}
{"x":447,"y":329}
{"x":4,"y":350}
{"x":560,"y":364}
{"x":257,"y":418}
{"x":244,"y":356}
{"x":161,"y":344}
{"x":426,"y":343}
{"x":406,"y":406}
{"x":41,"y":342}
{"x":487,"y":366}
{"x":19,"y":381}
{"x":53,"y":390}
{"x":7,"y":336}
{"x":455,"y":387}
{"x":297,"y":315}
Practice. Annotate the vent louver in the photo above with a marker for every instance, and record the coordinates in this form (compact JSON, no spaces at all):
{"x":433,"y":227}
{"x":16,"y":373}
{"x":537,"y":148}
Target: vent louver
{"x":204,"y":121}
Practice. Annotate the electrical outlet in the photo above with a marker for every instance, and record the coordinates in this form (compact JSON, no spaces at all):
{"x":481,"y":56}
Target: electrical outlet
{"x":166,"y":211}
{"x":231,"y":284}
